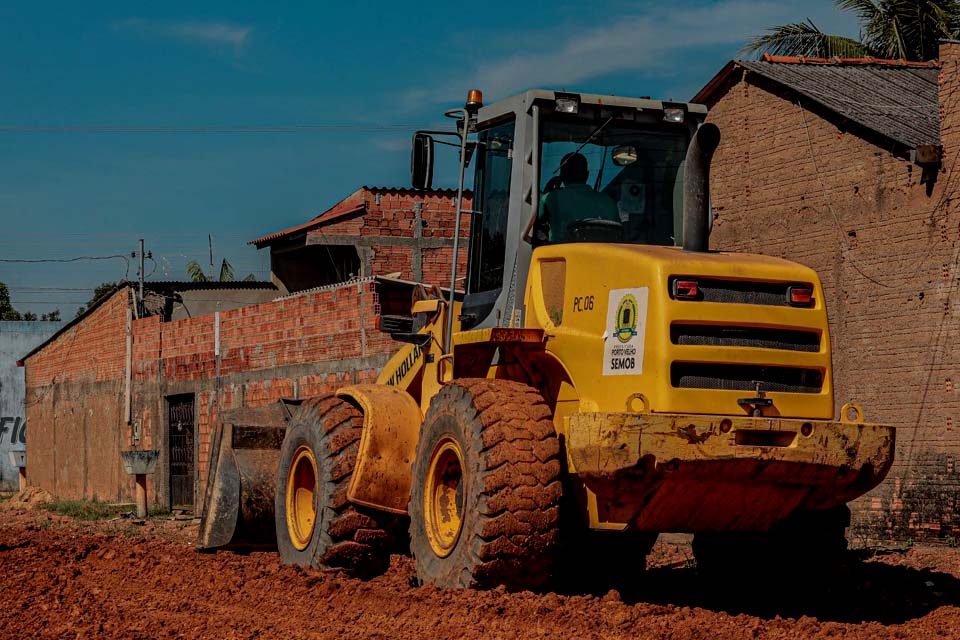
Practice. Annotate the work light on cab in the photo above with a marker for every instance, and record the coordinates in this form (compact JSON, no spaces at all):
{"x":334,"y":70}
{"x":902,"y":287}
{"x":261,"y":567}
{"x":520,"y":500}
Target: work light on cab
{"x":673,"y":114}
{"x":567,"y":103}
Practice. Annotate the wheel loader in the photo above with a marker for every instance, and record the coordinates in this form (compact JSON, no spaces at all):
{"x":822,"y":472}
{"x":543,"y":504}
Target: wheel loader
{"x":603,"y":377}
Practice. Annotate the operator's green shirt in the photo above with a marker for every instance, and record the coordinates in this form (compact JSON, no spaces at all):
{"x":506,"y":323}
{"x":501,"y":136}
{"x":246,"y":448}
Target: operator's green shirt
{"x":572,"y":203}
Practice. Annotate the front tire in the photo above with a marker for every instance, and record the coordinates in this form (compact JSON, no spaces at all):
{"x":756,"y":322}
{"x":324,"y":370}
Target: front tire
{"x":316,"y":526}
{"x":484,"y":502}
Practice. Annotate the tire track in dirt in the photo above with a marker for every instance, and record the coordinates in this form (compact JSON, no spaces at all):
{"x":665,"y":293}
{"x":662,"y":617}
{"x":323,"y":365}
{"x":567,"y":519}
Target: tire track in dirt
{"x":75,"y":580}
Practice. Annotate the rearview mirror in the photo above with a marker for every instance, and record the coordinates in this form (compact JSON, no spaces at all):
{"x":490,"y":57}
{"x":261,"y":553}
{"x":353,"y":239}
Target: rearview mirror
{"x":624,"y":155}
{"x":421,"y":161}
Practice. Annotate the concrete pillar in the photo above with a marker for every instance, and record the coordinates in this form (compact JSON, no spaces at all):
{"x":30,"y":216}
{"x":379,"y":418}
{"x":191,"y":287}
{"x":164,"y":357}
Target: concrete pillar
{"x":141,"y":480}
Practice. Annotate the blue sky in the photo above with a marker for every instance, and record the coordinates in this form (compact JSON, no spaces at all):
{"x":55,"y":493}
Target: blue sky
{"x":360,"y":75}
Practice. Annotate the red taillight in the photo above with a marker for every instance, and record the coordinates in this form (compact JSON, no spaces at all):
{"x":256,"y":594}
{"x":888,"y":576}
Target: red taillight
{"x":685,"y":289}
{"x":800,"y":296}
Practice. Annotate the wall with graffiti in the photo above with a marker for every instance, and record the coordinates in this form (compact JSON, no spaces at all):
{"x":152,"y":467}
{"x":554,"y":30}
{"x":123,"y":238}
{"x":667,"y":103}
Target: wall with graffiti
{"x":16,"y":339}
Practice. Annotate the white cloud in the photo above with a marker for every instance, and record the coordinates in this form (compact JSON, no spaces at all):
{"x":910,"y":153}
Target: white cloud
{"x":209,"y":33}
{"x":393,"y":142}
{"x":649,"y":42}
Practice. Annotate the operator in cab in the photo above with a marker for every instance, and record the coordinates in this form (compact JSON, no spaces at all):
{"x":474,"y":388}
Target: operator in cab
{"x":561,"y":208}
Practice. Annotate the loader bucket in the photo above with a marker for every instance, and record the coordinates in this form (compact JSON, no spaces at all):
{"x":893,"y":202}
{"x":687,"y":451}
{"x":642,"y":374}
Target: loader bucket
{"x":238,"y":501}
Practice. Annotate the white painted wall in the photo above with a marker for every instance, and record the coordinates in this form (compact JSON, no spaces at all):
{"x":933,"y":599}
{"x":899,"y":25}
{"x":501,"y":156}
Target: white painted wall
{"x":16,"y":340}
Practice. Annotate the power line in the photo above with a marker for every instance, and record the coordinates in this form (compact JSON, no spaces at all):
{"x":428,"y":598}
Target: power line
{"x":29,"y":289}
{"x":77,"y":259}
{"x":284,"y":128}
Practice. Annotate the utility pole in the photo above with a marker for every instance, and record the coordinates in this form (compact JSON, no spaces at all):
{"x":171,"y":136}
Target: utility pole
{"x":141,"y":276}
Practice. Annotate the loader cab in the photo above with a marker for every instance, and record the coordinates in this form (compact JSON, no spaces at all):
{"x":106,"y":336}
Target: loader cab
{"x":635,"y":151}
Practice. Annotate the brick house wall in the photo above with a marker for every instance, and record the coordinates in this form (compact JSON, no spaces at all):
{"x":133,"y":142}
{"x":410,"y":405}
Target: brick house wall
{"x":75,"y":407}
{"x":792,"y":180}
{"x":392,"y":230}
{"x":302,"y":345}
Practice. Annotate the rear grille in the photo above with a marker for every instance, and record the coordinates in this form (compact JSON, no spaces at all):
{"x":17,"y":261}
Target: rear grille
{"x":739,"y":291}
{"x":744,"y":377}
{"x":727,"y":336}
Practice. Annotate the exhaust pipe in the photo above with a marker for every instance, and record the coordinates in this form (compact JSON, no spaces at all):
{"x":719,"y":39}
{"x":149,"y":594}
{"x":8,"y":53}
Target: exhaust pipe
{"x":696,"y":188}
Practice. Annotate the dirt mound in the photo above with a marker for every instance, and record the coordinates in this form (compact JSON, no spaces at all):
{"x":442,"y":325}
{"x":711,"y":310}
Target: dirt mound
{"x":71,"y":580}
{"x":29,"y":498}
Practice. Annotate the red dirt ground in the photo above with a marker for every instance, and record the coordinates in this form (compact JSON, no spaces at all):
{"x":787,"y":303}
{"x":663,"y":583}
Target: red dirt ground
{"x":65,"y":579}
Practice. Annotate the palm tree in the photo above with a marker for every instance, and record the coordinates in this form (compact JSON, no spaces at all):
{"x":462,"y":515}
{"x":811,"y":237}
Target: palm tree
{"x":907,"y":29}
{"x":196,"y":273}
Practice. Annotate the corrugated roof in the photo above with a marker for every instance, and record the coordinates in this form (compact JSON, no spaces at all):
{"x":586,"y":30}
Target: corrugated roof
{"x":306,"y":226}
{"x":448,"y":193}
{"x":894,"y":98}
{"x":189,"y":285}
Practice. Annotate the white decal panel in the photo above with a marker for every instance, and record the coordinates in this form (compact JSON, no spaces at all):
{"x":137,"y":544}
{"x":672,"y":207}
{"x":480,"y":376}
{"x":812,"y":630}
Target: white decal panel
{"x":625,"y":330}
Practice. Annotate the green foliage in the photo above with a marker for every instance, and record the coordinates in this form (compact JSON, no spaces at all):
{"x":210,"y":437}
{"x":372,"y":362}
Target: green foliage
{"x":86,"y":509}
{"x":197,"y":274}
{"x":908,"y":29}
{"x":101,"y":290}
{"x":805,"y":39}
{"x":7,"y":312}
{"x":195,"y":271}
{"x":226,"y":271}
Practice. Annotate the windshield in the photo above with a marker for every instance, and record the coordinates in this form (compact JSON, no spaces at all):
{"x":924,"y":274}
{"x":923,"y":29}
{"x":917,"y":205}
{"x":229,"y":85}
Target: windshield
{"x":625,"y":186}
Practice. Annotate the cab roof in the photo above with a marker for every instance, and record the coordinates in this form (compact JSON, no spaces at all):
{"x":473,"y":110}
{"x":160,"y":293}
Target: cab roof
{"x":520,"y":103}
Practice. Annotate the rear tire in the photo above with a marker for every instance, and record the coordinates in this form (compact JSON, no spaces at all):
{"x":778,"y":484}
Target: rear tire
{"x":484,"y":502}
{"x":316,"y":525}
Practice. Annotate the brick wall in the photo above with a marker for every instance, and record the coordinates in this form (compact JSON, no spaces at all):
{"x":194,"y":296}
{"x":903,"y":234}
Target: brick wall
{"x":303,"y":345}
{"x":417,"y":231}
{"x":75,"y":407}
{"x":790,"y":181}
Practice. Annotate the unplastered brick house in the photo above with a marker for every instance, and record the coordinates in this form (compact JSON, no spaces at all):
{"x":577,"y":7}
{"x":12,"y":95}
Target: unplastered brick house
{"x":848,"y":166}
{"x":155,"y":376}
{"x":373,"y":231}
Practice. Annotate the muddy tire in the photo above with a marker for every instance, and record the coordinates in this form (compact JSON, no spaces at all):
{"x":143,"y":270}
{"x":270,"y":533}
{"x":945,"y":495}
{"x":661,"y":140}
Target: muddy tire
{"x":810,"y":547}
{"x":484,"y":503}
{"x":316,"y":525}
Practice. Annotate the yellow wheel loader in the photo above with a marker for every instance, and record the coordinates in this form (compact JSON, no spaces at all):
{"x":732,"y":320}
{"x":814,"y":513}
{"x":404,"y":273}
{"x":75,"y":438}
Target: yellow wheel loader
{"x":603,"y":377}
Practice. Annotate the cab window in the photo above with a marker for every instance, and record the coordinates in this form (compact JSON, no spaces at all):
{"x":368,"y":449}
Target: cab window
{"x":491,"y":200}
{"x":633,"y":188}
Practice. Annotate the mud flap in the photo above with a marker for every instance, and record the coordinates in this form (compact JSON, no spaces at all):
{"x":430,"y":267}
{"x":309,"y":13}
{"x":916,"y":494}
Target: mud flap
{"x":241,"y":479}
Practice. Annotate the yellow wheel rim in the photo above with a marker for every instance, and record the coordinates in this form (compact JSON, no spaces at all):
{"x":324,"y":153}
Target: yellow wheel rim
{"x":443,"y":498}
{"x":301,"y":486}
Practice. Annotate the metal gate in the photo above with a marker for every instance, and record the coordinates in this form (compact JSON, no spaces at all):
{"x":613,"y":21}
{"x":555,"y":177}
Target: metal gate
{"x":182,"y":462}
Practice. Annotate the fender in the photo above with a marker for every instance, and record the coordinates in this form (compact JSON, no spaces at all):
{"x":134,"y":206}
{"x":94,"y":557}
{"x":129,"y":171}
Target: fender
{"x":391,"y":427}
